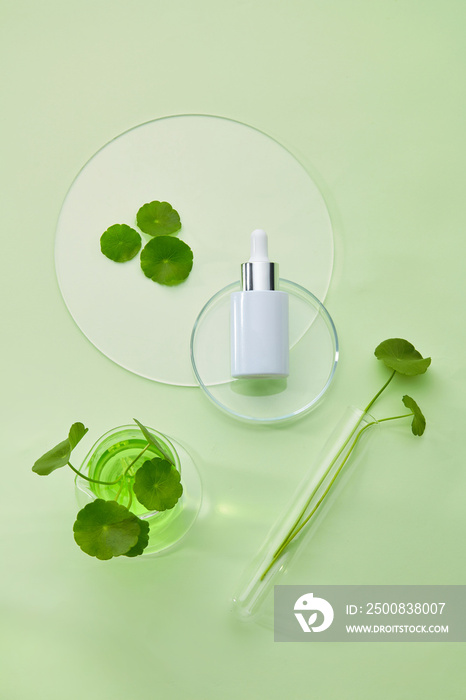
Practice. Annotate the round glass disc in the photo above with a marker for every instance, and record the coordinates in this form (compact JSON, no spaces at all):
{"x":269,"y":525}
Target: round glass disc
{"x":225,"y":179}
{"x":313,"y":346}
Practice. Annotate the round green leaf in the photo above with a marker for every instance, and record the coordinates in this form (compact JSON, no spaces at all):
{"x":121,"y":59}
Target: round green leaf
{"x":105,"y":529}
{"x":158,"y":219}
{"x":142,"y":542}
{"x":59,"y":455}
{"x":120,"y":243}
{"x":419,"y":422}
{"x":167,"y":260}
{"x":401,"y":356}
{"x":157,"y":485}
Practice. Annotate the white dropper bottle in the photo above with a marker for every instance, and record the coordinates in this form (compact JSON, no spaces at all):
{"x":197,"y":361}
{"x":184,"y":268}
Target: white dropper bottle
{"x":259,"y":317}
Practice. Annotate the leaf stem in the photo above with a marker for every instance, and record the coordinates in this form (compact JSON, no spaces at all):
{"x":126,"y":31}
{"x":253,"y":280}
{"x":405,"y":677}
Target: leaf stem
{"x":289,"y":536}
{"x":135,"y":460}
{"x":322,"y":479}
{"x":405,"y":415}
{"x":287,"y":540}
{"x":379,"y":392}
{"x":298,"y":526}
{"x":119,"y":491}
{"x":358,"y":437}
{"x":111,"y":483}
{"x":94,"y":481}
{"x":130,"y":492}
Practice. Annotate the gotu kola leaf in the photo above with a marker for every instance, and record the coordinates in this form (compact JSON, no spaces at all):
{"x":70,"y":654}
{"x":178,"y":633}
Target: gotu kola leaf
{"x":120,"y":243}
{"x":76,"y":434}
{"x":153,"y":441}
{"x":402,"y":356}
{"x":59,"y":455}
{"x":158,"y":219}
{"x":157,"y":485}
{"x":419,"y":422}
{"x":167,"y":260}
{"x":106,"y":529}
{"x":142,"y":542}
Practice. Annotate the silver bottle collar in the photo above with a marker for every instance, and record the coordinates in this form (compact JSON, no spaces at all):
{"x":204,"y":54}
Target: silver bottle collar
{"x":259,"y":276}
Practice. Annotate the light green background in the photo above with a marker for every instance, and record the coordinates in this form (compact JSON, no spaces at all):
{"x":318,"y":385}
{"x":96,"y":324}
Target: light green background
{"x":369,"y":95}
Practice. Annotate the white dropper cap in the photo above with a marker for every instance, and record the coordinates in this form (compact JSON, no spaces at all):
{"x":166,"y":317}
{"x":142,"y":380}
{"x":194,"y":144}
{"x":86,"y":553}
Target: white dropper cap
{"x":259,"y":274}
{"x":259,"y":246}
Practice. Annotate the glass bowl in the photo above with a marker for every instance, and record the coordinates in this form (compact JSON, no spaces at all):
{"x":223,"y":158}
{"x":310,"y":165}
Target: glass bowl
{"x":124,"y":443}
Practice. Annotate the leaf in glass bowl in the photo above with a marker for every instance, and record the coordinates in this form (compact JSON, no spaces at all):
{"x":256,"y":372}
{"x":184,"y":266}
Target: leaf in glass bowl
{"x":106,"y":529}
{"x":157,"y":485}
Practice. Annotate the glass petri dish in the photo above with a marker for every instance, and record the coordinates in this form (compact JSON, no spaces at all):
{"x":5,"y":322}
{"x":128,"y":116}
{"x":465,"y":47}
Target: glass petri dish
{"x":313,"y":360}
{"x":225,"y":179}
